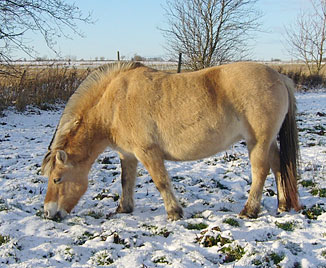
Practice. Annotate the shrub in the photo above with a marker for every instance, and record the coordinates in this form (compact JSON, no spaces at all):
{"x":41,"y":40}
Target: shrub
{"x":301,"y":77}
{"x":40,"y":87}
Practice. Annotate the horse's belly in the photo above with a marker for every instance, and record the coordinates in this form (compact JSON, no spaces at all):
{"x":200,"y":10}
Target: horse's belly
{"x":201,"y":146}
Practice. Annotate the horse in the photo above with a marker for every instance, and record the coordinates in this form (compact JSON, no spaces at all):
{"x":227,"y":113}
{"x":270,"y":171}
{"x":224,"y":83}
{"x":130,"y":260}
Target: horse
{"x":152,"y":116}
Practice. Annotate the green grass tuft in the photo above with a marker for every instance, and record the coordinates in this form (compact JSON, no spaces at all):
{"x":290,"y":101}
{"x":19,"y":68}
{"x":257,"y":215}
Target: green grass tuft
{"x":308,"y":183}
{"x":232,"y":222}
{"x":196,"y":226}
{"x":313,"y":212}
{"x":286,"y":226}
{"x":276,"y":258}
{"x":232,"y":253}
{"x":4,"y":239}
{"x":161,"y":260}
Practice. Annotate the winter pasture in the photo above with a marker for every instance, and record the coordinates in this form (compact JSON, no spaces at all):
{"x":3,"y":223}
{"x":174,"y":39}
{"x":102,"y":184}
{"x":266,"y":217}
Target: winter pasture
{"x":212,"y":192}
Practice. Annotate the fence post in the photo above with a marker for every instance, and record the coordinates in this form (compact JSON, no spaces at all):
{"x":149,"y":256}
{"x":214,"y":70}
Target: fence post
{"x":118,"y":54}
{"x":179,"y":62}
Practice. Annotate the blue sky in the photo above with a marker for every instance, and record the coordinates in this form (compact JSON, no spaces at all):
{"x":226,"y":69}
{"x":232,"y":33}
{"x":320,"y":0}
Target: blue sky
{"x":131,"y":26}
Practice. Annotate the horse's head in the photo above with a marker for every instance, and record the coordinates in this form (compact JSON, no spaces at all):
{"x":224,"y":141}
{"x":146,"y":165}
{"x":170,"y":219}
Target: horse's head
{"x":67,"y":183}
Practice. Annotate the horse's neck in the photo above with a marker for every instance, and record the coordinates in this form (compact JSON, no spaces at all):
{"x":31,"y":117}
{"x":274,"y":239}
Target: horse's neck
{"x":97,"y":148}
{"x":90,"y":145}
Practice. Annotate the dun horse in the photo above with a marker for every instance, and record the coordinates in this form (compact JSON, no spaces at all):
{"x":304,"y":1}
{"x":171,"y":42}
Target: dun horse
{"x":152,"y":116}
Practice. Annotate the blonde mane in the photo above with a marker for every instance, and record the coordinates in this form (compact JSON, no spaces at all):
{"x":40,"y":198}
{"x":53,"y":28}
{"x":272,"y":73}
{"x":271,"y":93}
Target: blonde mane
{"x":87,"y":94}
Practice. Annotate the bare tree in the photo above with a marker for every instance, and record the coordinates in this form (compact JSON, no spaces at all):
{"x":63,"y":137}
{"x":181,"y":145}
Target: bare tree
{"x":210,"y":32}
{"x":50,"y":18}
{"x":306,"y":37}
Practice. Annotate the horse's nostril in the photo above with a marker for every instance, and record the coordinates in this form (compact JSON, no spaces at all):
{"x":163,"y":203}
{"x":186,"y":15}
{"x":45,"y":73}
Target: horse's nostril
{"x":47,"y":214}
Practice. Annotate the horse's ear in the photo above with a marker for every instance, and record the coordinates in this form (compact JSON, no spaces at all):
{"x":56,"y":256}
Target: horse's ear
{"x":61,"y":157}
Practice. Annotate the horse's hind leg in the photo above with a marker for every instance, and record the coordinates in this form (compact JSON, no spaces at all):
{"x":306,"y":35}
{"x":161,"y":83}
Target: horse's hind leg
{"x":128,"y":177}
{"x":153,"y":161}
{"x":274,"y":160}
{"x":258,"y":153}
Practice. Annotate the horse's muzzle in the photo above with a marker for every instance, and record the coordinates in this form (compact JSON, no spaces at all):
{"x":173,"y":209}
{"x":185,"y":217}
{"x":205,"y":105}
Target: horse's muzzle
{"x":51,"y":211}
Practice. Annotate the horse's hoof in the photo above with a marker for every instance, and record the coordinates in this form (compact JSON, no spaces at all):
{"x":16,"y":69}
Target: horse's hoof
{"x":281,"y":210}
{"x":175,"y":215}
{"x":124,"y":209}
{"x":249,"y":214}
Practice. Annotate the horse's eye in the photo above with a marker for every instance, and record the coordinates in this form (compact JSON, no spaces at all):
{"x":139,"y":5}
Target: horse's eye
{"x":57,"y":180}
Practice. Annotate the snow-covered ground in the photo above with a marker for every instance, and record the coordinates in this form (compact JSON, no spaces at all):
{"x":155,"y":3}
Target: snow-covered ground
{"x":212,"y":191}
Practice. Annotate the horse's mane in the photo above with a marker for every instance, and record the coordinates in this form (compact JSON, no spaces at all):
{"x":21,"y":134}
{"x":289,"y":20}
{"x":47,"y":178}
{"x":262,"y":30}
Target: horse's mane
{"x":86,"y":95}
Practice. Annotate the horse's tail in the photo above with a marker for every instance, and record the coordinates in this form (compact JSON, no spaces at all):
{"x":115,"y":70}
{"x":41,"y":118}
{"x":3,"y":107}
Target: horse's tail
{"x":289,"y":150}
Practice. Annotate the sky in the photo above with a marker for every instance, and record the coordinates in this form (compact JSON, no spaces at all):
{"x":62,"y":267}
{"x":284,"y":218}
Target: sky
{"x":132,"y":27}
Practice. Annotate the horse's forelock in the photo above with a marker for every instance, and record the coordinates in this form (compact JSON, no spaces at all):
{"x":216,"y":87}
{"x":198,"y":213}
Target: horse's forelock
{"x":47,"y":164}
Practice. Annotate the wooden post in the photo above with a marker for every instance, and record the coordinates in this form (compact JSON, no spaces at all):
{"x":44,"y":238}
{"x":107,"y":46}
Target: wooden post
{"x":118,"y":54}
{"x":179,"y":62}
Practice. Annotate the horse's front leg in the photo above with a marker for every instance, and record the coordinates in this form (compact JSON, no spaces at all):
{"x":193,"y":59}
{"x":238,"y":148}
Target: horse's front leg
{"x":153,"y":161}
{"x":128,"y":177}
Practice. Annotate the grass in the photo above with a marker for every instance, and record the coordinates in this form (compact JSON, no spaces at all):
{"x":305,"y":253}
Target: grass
{"x":102,"y":258}
{"x":81,"y":240}
{"x":162,"y":260}
{"x":4,"y":239}
{"x":271,"y":260}
{"x":232,"y":253}
{"x":155,"y":230}
{"x":208,"y":240}
{"x":318,"y":192}
{"x":276,"y":258}
{"x":69,"y":254}
{"x":232,"y":222}
{"x":286,"y":226}
{"x":196,"y":226}
{"x":323,"y":254}
{"x":95,"y":214}
{"x":3,"y":205}
{"x":313,"y":212}
{"x":308,"y":183}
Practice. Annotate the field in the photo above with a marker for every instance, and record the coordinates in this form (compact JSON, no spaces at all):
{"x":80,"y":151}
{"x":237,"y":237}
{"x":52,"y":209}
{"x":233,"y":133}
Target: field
{"x":212,"y":192}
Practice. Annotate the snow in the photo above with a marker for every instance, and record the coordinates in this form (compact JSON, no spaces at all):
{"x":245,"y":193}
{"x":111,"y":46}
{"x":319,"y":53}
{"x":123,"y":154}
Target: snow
{"x":213,"y":191}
